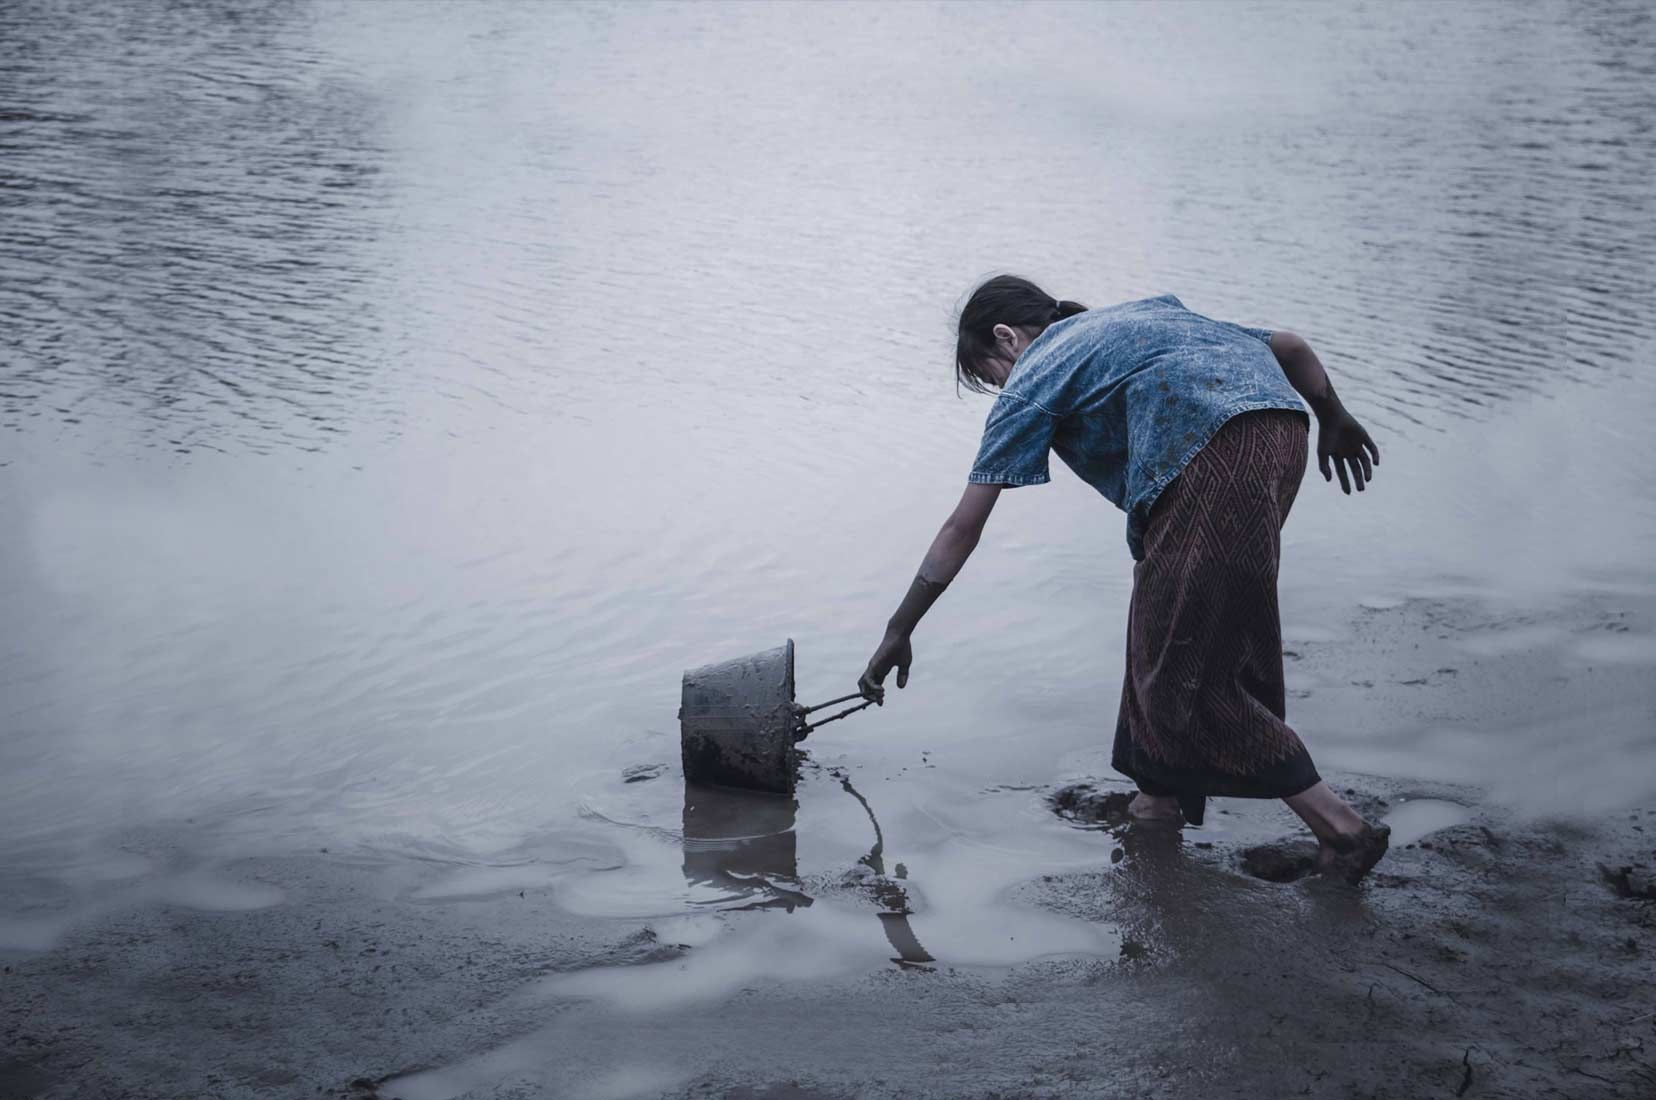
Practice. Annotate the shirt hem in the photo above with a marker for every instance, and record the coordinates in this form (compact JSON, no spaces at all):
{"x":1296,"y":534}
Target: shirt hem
{"x":1147,"y":499}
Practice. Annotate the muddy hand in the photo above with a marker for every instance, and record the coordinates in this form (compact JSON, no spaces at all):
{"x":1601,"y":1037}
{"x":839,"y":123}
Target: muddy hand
{"x":1342,"y":441}
{"x":894,"y":652}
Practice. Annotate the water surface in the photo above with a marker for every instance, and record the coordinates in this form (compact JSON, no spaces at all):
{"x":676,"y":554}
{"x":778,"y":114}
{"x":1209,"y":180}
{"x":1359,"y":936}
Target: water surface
{"x":396,"y":397}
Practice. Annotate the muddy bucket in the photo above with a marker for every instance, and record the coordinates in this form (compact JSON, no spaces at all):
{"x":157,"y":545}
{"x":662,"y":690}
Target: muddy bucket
{"x":739,"y":724}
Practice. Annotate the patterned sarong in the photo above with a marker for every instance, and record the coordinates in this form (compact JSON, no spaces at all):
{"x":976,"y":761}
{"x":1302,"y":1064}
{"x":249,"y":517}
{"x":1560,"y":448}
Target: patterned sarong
{"x":1202,"y":703}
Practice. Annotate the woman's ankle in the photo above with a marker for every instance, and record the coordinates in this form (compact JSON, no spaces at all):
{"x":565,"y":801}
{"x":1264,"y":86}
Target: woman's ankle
{"x":1329,"y":817}
{"x":1154,"y":807}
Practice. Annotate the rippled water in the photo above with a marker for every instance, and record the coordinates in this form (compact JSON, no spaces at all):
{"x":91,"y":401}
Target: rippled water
{"x":396,"y":397}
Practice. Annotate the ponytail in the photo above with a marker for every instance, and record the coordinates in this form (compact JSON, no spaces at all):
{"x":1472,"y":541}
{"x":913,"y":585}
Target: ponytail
{"x":1068,"y":309}
{"x":1002,"y":300}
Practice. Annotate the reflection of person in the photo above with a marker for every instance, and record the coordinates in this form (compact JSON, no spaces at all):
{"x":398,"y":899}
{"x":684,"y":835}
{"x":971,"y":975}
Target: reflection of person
{"x":1193,"y":428}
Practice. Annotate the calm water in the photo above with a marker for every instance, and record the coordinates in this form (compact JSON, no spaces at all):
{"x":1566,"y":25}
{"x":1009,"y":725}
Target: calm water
{"x":395,"y":398}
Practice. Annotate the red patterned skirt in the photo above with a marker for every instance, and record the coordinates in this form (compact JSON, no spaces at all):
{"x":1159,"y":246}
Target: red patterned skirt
{"x":1202,"y":703}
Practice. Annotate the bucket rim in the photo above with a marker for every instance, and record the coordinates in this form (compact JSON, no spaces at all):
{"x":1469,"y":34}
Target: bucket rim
{"x":788,"y":673}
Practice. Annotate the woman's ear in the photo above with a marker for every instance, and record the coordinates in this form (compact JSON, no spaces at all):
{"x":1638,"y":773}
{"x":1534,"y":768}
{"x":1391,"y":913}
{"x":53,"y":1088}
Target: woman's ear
{"x":1004,"y":336}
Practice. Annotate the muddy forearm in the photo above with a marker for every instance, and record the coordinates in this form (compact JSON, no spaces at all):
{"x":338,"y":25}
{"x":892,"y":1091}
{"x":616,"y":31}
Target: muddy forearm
{"x":1305,"y":372}
{"x":948,"y":553}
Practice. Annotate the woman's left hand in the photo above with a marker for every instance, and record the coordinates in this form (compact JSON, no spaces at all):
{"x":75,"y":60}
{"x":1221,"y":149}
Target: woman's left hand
{"x":1342,"y":441}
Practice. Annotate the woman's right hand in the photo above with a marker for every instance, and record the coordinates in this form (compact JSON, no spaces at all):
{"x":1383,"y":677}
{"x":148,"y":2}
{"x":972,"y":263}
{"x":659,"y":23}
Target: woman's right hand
{"x":1342,"y":439}
{"x":894,"y":651}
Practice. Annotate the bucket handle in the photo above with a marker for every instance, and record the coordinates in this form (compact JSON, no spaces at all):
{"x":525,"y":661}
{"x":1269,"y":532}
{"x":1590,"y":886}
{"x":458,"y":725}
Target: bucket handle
{"x":800,"y":713}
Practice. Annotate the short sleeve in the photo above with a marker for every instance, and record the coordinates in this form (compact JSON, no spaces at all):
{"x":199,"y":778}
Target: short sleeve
{"x":1263,"y":334}
{"x":1016,"y":439}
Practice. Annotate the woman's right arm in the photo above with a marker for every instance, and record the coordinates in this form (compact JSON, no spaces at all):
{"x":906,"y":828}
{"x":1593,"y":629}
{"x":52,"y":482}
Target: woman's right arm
{"x":949,"y":550}
{"x":1339,"y":437}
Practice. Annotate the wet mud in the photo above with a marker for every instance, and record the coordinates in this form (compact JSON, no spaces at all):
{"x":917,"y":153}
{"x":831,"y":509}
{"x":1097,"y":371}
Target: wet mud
{"x":887,"y":932}
{"x":1515,"y":955}
{"x":1280,"y":862}
{"x":1633,"y":882}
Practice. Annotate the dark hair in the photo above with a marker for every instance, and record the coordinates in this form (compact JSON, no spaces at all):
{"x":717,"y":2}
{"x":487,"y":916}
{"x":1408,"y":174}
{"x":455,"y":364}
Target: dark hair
{"x":1002,"y":300}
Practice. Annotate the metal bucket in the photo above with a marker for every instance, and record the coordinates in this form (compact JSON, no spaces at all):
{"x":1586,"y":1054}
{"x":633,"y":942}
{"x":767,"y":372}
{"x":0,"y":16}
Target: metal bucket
{"x":738,"y":722}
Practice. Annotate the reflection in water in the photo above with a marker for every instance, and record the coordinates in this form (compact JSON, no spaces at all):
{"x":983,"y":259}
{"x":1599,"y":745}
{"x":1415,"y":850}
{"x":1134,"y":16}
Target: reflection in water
{"x":742,"y":841}
{"x":739,"y":842}
{"x":1414,"y":819}
{"x":890,"y":893}
{"x":896,"y":927}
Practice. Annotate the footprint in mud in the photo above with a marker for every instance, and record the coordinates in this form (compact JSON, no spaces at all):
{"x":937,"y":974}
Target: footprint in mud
{"x":1283,"y":862}
{"x":1633,"y":882}
{"x":1088,"y":805}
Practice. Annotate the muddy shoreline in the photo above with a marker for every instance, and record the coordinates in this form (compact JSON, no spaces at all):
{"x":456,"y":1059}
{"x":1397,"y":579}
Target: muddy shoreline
{"x":1493,"y":953}
{"x":1488,"y":959}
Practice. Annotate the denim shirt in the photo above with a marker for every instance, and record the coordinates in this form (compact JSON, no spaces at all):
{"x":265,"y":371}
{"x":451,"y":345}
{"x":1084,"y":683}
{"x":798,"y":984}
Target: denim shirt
{"x":1126,"y":396}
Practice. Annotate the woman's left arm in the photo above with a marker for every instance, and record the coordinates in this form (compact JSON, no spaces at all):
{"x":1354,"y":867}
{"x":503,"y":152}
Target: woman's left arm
{"x":949,"y":551}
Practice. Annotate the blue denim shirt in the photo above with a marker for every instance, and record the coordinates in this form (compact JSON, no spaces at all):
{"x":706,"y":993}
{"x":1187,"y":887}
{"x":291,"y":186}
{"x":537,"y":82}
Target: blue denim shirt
{"x":1126,"y":396}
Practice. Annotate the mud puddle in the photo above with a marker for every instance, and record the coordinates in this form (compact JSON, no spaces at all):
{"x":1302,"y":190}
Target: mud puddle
{"x":837,"y":883}
{"x":1415,"y":819}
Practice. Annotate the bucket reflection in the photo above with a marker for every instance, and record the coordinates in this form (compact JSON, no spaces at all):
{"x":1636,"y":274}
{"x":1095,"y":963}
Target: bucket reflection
{"x":742,"y":843}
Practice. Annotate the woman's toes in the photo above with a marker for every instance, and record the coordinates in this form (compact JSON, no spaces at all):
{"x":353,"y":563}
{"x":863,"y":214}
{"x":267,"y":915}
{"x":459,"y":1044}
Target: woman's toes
{"x":1352,"y":857}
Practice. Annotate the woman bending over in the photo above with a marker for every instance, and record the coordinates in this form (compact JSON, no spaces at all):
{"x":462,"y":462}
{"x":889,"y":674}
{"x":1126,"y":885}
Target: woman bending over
{"x":1193,"y":427}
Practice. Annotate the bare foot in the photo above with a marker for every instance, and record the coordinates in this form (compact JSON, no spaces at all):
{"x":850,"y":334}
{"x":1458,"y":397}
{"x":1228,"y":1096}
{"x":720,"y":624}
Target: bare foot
{"x":1351,"y":856}
{"x":1145,"y":807}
